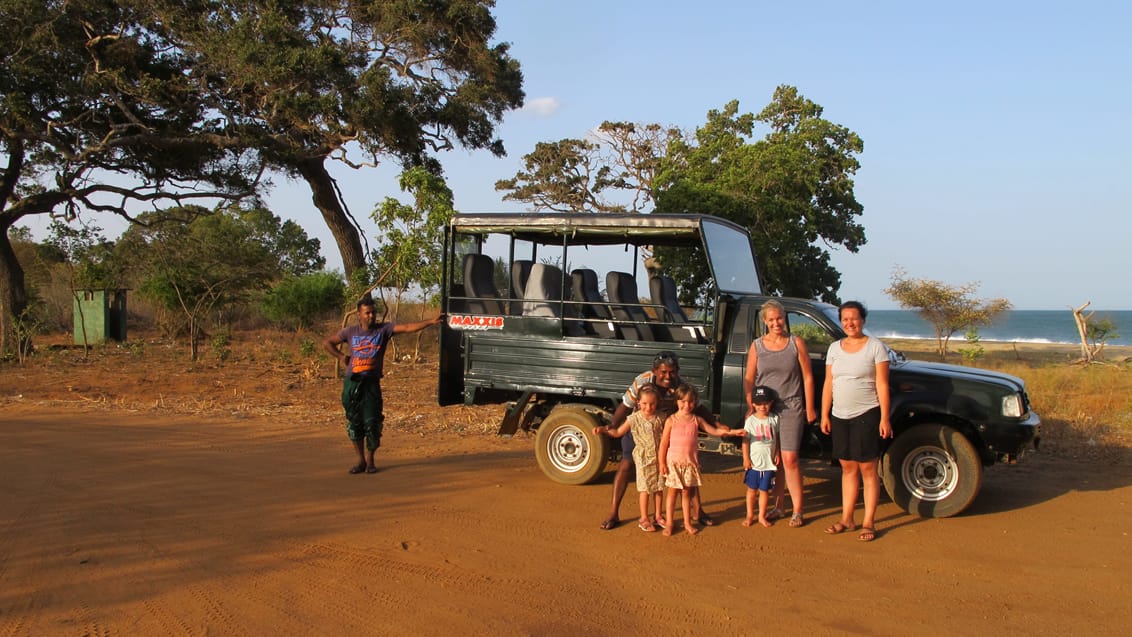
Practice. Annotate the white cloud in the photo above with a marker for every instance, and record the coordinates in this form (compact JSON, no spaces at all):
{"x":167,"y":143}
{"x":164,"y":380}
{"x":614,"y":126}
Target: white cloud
{"x":542,"y":106}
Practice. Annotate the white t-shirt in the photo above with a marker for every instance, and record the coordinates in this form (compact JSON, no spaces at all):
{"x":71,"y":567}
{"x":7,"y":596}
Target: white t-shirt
{"x":855,"y":377}
{"x":761,"y":435}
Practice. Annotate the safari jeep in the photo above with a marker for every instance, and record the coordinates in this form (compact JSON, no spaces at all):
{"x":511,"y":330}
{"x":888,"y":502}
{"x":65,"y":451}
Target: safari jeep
{"x":553,"y":315}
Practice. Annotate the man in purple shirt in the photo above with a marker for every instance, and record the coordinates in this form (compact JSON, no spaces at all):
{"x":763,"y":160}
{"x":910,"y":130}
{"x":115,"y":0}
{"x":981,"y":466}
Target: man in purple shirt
{"x":361,"y":388}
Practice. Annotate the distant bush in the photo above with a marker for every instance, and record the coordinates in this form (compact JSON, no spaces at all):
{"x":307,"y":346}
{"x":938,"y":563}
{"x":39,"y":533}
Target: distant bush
{"x":815,"y":338}
{"x":974,"y":351}
{"x":297,"y":302}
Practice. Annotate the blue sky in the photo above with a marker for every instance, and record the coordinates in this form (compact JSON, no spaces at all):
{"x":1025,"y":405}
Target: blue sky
{"x":998,"y":135}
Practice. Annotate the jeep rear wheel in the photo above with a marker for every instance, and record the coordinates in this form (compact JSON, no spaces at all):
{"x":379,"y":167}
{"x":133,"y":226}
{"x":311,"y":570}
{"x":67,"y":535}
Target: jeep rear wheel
{"x":932,"y":471}
{"x":567,"y":449}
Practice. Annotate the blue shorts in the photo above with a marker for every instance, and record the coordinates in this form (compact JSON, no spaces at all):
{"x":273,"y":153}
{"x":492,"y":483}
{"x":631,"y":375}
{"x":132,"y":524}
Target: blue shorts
{"x":627,"y":447}
{"x":759,"y":480}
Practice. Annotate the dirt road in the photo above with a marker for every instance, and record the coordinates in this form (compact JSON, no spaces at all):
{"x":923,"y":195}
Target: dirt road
{"x":150,"y":524}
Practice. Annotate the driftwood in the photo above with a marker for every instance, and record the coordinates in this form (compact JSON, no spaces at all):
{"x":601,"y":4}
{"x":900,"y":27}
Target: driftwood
{"x":1090,"y":354}
{"x":1083,"y":329}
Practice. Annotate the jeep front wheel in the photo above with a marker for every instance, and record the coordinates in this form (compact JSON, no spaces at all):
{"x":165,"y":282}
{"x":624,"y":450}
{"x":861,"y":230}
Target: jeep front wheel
{"x":932,"y":471}
{"x":567,"y":449}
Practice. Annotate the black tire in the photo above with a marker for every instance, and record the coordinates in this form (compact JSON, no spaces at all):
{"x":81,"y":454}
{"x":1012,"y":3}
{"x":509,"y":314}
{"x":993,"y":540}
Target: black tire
{"x":567,"y":449}
{"x":932,"y":471}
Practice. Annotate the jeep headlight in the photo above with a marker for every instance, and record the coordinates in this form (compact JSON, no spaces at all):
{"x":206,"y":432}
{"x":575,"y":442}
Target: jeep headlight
{"x":1012,"y":406}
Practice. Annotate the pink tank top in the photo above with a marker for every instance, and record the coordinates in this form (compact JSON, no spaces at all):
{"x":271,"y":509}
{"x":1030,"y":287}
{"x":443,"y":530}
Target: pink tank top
{"x":682,"y":441}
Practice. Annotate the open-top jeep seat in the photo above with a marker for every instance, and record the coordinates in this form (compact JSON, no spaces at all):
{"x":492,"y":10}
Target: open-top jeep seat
{"x":622,"y":290}
{"x":479,"y":285}
{"x":675,"y":323}
{"x":520,"y":272}
{"x":590,"y":307}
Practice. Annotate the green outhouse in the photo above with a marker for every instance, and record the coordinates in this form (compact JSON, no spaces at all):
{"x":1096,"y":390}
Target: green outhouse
{"x":103,"y":312}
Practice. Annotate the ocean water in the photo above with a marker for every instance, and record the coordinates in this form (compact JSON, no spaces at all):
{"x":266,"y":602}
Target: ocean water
{"x":1020,"y":326}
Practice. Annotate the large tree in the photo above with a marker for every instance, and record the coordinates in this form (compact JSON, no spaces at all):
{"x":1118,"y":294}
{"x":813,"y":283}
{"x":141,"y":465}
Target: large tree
{"x":612,"y":171}
{"x":97,"y":115}
{"x":306,"y":81}
{"x":792,"y":188}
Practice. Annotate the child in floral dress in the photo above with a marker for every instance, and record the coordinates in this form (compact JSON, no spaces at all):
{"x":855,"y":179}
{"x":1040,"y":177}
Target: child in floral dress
{"x":646,"y":426}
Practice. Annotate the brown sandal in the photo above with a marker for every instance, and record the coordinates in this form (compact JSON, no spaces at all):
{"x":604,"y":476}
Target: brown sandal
{"x":839,"y":528}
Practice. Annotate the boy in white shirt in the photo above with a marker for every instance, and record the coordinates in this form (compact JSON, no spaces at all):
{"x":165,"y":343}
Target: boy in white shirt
{"x":760,"y":453}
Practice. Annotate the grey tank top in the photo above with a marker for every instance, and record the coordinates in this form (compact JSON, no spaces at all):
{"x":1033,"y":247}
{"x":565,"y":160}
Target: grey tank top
{"x":780,"y":371}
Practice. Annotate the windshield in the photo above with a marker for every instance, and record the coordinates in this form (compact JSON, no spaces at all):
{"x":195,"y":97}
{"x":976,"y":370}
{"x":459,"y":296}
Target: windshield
{"x":732,"y":259}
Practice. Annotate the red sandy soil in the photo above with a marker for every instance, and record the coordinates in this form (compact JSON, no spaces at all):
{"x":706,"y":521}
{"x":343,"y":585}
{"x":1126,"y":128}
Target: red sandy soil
{"x":145,"y":495}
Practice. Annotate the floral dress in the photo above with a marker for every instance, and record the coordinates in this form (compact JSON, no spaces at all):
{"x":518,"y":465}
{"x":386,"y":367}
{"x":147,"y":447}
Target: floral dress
{"x":646,"y":433}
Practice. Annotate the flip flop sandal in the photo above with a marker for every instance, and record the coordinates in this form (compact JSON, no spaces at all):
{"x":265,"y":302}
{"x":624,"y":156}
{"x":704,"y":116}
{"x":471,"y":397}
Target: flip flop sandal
{"x":647,"y":527}
{"x":705,"y":520}
{"x":775,"y":514}
{"x":797,"y":520}
{"x":868,"y":534}
{"x":358,"y":468}
{"x":609,"y":524}
{"x":839,"y":528}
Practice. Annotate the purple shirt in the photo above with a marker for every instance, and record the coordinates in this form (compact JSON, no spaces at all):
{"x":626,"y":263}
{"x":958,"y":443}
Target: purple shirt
{"x":367,"y":348}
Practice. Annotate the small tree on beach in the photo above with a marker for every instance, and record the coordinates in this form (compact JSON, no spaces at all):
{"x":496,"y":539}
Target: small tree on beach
{"x":948,"y":308}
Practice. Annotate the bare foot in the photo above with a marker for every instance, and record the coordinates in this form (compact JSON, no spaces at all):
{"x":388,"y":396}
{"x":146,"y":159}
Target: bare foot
{"x":748,"y":521}
{"x":691,"y":530}
{"x":667,"y":532}
{"x":765,"y":522}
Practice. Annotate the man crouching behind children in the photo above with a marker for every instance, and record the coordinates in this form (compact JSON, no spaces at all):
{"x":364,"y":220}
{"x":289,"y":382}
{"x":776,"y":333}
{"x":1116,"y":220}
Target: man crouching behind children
{"x":679,"y":455}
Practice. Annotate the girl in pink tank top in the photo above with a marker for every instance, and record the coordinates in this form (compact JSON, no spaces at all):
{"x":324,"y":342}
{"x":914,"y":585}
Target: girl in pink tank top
{"x":679,"y":455}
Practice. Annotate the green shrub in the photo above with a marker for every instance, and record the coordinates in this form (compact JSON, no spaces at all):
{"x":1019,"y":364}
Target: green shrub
{"x":220,"y":345}
{"x":974,"y":351}
{"x":306,"y":348}
{"x":815,"y":338}
{"x":297,"y":302}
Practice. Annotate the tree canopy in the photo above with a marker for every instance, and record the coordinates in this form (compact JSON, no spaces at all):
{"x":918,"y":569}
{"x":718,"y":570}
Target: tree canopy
{"x":98,"y":114}
{"x":792,"y":188}
{"x":193,"y":100}
{"x":413,"y":235}
{"x":305,"y":81}
{"x":614,"y":171}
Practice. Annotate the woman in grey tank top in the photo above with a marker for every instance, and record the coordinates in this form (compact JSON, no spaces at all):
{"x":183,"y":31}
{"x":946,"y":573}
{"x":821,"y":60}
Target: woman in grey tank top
{"x":780,"y":361}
